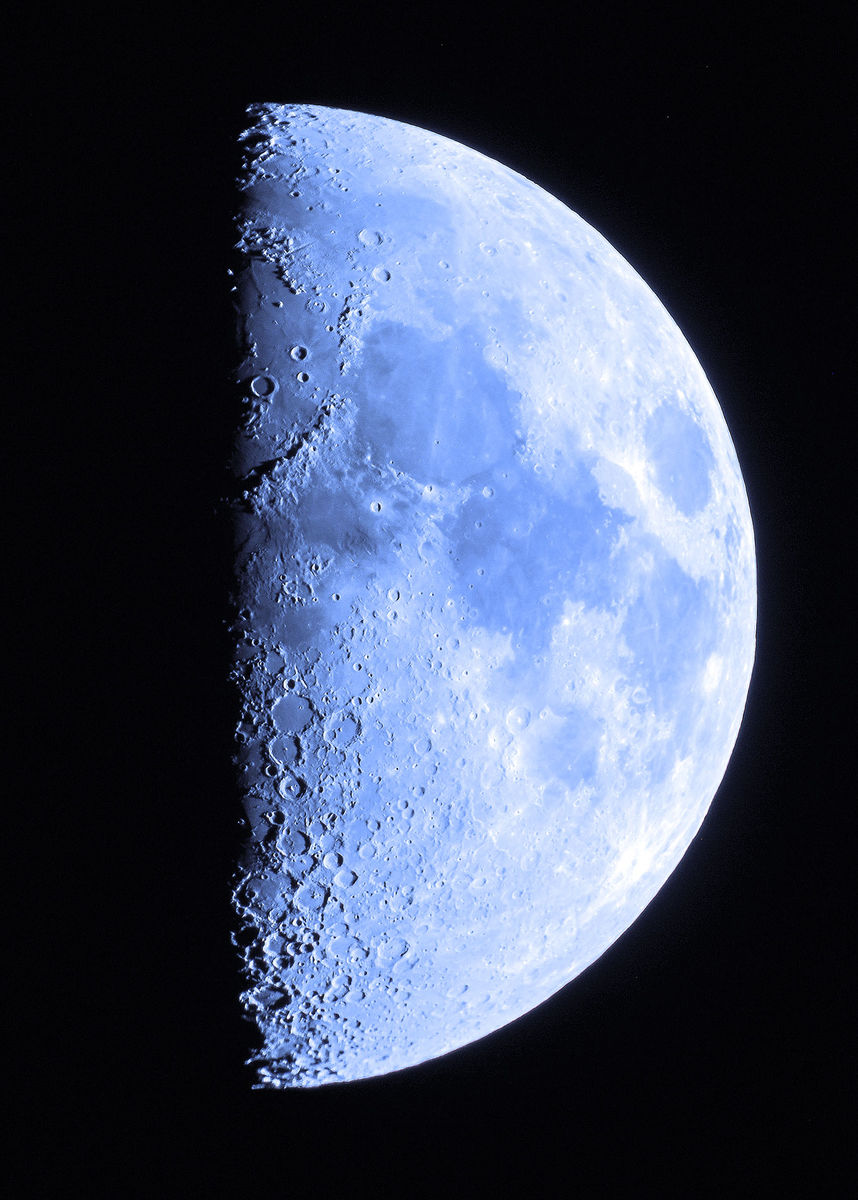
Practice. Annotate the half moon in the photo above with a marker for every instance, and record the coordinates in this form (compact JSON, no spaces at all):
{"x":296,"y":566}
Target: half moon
{"x":495,"y":594}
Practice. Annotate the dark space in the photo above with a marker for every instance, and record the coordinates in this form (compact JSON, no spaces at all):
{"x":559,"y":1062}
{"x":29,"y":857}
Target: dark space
{"x":706,"y":1052}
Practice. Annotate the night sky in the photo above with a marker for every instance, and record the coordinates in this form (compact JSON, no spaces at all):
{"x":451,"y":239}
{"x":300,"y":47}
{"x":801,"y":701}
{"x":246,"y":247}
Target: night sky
{"x":705,"y":1052}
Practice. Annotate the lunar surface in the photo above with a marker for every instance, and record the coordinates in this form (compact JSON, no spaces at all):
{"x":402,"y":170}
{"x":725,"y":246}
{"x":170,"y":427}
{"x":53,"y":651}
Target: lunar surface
{"x":495,"y":594}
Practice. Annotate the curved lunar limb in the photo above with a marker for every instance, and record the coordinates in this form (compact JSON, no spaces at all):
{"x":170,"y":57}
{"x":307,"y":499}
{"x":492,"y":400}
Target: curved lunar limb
{"x":495,"y":594}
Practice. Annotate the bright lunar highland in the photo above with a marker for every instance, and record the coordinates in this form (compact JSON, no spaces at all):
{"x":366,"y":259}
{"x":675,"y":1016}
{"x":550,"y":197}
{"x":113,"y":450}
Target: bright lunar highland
{"x":495,"y":594}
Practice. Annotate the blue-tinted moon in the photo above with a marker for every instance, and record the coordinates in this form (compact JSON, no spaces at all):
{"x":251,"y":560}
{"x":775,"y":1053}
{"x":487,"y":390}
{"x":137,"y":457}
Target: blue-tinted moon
{"x":495,"y":594}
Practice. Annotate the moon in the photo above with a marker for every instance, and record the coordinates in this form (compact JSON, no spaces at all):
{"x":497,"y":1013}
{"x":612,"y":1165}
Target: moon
{"x":495,"y":594}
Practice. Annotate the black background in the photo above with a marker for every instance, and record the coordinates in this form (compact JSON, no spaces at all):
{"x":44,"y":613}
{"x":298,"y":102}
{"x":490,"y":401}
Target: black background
{"x":706,"y":1052}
